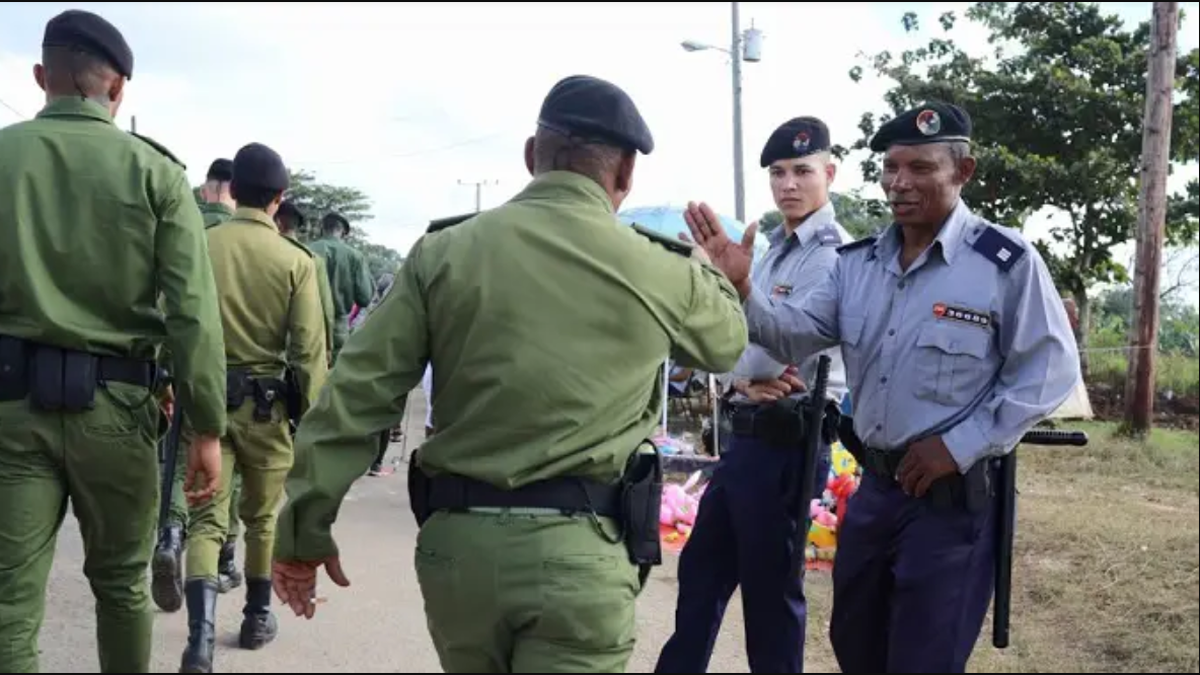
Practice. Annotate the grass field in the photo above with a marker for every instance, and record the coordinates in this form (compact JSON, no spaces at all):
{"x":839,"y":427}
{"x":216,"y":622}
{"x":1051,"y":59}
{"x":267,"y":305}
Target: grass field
{"x":1105,"y":566}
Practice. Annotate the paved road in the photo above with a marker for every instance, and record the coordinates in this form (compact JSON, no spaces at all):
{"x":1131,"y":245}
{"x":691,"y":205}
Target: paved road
{"x":376,"y":625}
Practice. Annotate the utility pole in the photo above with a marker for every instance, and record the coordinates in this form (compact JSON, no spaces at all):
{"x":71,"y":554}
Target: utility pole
{"x":1152,"y":211}
{"x":478,"y":191}
{"x":133,"y":124}
{"x":739,"y":179}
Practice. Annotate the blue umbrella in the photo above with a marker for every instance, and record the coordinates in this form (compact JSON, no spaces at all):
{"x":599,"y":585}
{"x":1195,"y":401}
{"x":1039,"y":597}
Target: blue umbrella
{"x":668,"y":221}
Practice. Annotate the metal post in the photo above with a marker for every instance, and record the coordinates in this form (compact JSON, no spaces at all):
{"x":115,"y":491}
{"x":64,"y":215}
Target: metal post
{"x":735,"y":53}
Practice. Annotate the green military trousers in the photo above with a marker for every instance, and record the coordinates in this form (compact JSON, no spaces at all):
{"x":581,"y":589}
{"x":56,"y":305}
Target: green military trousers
{"x":106,"y":462}
{"x":518,"y":591}
{"x":262,"y":453}
{"x":179,"y":510}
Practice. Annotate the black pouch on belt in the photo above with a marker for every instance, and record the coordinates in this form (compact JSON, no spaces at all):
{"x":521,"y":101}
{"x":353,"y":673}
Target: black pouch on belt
{"x":14,"y":369}
{"x":267,"y":392}
{"x":418,"y":489}
{"x":237,"y":386}
{"x":641,"y":504}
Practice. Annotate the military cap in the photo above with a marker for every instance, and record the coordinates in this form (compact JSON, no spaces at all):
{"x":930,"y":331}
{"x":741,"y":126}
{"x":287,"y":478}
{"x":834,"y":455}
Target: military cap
{"x":256,"y":165}
{"x":795,"y":138}
{"x":590,"y":108}
{"x":88,"y":32}
{"x":288,"y":209}
{"x":933,"y":122}
{"x":220,"y":170}
{"x":335,"y":217}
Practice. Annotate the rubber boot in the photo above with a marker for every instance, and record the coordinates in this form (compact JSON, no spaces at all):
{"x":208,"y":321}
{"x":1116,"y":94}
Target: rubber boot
{"x":259,"y":627}
{"x":166,"y":586}
{"x":229,"y":576}
{"x":202,"y":629}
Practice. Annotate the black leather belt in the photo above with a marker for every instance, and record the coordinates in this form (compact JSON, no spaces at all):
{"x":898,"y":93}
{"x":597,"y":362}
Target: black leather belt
{"x":882,"y":463}
{"x":571,"y":495}
{"x":774,"y":423}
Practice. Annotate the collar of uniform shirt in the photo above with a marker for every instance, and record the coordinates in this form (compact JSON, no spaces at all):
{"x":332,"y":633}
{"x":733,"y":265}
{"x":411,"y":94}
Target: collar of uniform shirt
{"x":808,"y":229}
{"x":555,"y":185}
{"x":75,"y":106}
{"x":255,"y":216}
{"x":948,"y":239}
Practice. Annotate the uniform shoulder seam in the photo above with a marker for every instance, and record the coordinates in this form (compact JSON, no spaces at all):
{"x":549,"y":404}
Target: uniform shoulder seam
{"x":298,"y":244}
{"x":162,"y":150}
{"x":858,"y":244}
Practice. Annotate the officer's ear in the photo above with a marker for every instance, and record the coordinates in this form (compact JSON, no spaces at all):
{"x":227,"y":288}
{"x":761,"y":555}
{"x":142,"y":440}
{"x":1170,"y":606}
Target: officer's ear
{"x":529,"y":154}
{"x":39,"y":75}
{"x":623,"y":180}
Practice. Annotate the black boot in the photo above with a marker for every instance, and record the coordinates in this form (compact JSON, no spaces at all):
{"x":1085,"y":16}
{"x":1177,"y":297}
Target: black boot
{"x":258,"y":625}
{"x":229,"y":577}
{"x":202,"y":629}
{"x":166,"y":585}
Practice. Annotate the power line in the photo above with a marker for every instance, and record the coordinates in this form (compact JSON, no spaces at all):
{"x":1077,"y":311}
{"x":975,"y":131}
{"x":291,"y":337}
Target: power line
{"x":16,"y":112}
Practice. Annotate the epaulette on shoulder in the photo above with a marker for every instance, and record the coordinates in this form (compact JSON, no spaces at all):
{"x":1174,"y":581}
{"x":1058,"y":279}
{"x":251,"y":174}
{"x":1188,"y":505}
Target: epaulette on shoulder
{"x":858,"y":243}
{"x":828,"y":235}
{"x":444,"y":223}
{"x":673,"y":245}
{"x":300,"y":245}
{"x":160,"y":148}
{"x":999,"y":248}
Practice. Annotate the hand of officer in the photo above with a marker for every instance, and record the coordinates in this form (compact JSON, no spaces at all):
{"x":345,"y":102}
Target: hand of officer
{"x":167,"y":402}
{"x":765,"y":391}
{"x":732,"y":259}
{"x":926,"y":461}
{"x":295,"y":582}
{"x":203,"y":469}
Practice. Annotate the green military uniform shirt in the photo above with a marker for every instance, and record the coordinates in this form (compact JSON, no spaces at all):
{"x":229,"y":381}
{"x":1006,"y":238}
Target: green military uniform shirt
{"x":547,"y":322}
{"x":128,"y":239}
{"x":349,"y":278}
{"x":270,"y":301}
{"x":215,"y":213}
{"x":327,"y":306}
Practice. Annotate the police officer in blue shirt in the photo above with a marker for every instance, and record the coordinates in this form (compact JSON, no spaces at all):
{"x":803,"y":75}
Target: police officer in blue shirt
{"x":742,"y":536}
{"x":956,"y":344}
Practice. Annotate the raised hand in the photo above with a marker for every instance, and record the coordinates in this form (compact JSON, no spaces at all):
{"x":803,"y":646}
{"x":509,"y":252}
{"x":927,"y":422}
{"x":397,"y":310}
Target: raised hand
{"x":733,"y":259}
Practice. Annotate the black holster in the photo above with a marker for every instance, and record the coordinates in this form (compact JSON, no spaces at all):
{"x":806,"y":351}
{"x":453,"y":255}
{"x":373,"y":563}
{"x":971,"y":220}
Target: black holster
{"x":292,"y":396}
{"x":266,"y":392}
{"x":641,"y":506}
{"x":418,"y":489}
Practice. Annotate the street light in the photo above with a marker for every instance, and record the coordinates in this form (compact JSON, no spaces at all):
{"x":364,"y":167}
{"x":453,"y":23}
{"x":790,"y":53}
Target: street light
{"x":744,"y":46}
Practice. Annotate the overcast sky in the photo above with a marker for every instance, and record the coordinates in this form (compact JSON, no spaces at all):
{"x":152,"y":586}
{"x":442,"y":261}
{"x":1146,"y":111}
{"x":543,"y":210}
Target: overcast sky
{"x":405,"y":100}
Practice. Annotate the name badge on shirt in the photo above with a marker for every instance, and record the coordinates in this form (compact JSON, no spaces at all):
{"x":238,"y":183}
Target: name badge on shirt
{"x":969,"y":316}
{"x":781,"y":290}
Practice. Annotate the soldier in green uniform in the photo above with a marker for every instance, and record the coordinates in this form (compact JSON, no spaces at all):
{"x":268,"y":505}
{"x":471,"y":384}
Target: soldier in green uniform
{"x":349,"y":276}
{"x":166,"y":585}
{"x":275,"y":351}
{"x":547,"y":322}
{"x":218,"y":204}
{"x":95,"y":225}
{"x":290,"y":220}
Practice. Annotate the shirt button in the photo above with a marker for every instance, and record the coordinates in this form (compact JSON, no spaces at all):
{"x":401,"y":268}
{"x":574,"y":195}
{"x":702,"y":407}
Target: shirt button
{"x":883,"y":380}
{"x":878,"y":427}
{"x":891,"y":332}
{"x":900,"y":286}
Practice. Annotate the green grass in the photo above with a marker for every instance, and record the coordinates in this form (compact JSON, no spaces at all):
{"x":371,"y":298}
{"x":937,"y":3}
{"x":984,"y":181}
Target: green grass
{"x":1174,"y":372}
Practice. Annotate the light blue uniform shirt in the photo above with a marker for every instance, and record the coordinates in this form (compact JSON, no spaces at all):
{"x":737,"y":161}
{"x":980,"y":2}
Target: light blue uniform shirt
{"x":972,"y":342}
{"x":792,"y":268}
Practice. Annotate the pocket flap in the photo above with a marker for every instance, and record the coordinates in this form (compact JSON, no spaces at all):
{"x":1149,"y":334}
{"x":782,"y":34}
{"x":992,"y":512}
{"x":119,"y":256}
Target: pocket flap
{"x":965,"y":341}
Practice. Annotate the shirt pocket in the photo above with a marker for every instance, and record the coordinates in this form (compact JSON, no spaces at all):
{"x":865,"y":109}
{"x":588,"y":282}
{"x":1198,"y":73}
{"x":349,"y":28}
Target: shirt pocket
{"x":952,"y":363}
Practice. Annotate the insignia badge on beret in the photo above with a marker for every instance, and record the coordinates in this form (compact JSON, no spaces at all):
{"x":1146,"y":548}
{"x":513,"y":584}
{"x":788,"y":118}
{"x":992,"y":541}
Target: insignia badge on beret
{"x":943,"y":311}
{"x":929,"y":122}
{"x":801,"y":141}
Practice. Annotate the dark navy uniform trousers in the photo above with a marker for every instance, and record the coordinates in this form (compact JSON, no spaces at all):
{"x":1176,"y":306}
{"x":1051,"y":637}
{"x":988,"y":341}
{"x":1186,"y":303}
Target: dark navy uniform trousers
{"x":911,"y":583}
{"x":743,"y":537}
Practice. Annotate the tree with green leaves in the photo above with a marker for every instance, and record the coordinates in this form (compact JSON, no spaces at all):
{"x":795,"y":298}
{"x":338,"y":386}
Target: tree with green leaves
{"x":1057,"y":111}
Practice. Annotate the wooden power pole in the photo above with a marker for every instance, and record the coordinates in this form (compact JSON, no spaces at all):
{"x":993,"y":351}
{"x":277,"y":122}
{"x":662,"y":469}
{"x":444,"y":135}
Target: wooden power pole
{"x":1152,"y":213}
{"x":478,"y":185}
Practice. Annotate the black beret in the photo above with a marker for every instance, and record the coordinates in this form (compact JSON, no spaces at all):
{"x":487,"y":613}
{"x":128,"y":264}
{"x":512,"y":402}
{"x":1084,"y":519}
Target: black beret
{"x":933,"y":122}
{"x":797,"y":137}
{"x":258,"y":166}
{"x":221,"y":169}
{"x":77,"y":29}
{"x":288,"y":209}
{"x":593,"y":109}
